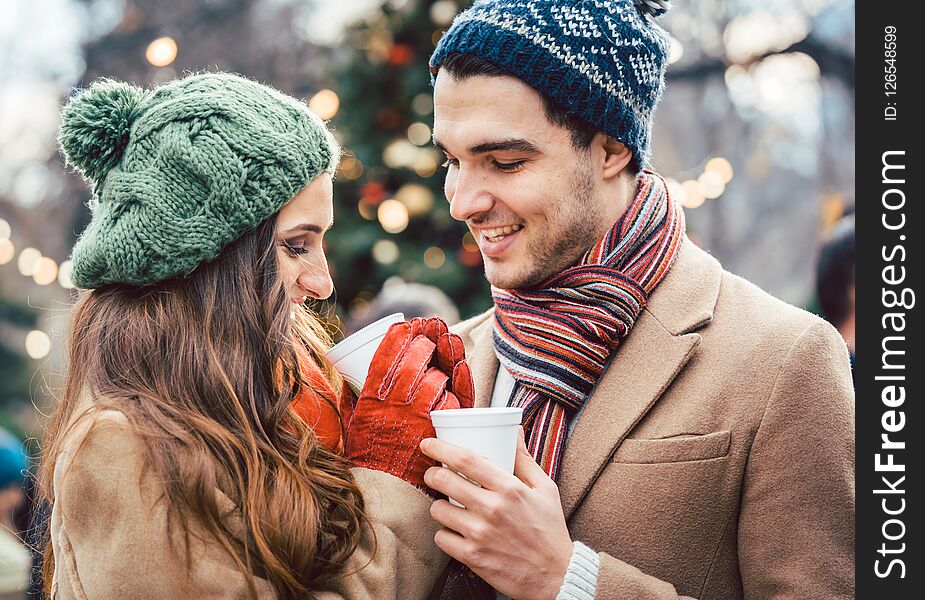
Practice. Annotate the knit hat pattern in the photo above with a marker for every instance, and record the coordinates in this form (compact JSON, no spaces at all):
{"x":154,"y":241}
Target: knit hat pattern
{"x":181,"y":171}
{"x":600,"y":60}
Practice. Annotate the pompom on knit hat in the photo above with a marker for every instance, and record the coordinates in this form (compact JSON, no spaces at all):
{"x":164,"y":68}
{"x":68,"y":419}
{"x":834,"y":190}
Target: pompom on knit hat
{"x":600,"y":60}
{"x":181,"y":171}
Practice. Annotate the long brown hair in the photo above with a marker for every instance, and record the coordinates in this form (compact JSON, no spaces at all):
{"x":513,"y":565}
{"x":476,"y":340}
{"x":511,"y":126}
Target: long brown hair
{"x":204,"y":367}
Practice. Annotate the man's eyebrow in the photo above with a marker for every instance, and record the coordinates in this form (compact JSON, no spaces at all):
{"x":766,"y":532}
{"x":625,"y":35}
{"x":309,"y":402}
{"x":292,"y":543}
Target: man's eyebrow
{"x":506,"y":145}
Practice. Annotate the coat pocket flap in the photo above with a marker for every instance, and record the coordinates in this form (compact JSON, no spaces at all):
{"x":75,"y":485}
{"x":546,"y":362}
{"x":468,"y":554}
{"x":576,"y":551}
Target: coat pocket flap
{"x":682,"y":448}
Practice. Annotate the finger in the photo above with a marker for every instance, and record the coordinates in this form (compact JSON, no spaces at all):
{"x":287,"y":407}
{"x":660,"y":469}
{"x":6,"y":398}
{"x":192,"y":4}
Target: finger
{"x":430,"y":390}
{"x":453,"y":544}
{"x":417,"y":326}
{"x":457,"y":487}
{"x":406,"y":374}
{"x":468,"y":463}
{"x":390,"y":349}
{"x":434,"y":328}
{"x":447,"y":401}
{"x":526,"y":468}
{"x":450,"y":351}
{"x":449,"y":515}
{"x":461,"y":384}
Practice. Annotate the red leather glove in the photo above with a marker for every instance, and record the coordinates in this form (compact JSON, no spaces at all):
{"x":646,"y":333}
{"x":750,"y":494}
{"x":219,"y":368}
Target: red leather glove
{"x":419,"y":367}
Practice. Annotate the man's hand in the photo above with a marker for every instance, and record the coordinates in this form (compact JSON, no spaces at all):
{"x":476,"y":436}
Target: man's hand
{"x":512,"y":532}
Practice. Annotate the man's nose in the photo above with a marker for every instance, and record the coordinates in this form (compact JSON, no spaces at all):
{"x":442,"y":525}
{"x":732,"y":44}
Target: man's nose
{"x":468,"y":195}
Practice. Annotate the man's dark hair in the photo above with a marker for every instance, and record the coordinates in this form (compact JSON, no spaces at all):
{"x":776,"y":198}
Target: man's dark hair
{"x":462,"y":66}
{"x":835,"y":272}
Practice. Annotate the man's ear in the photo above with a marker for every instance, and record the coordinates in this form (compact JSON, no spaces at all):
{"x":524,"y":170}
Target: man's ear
{"x":617,"y":157}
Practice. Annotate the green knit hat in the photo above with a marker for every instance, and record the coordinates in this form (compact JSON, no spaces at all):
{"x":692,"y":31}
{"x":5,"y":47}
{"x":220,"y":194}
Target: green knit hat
{"x":181,"y":171}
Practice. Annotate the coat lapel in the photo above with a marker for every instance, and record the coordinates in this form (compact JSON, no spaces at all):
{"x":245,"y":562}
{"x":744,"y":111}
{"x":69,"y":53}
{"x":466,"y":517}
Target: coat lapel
{"x":656,"y":351}
{"x":483,"y":361}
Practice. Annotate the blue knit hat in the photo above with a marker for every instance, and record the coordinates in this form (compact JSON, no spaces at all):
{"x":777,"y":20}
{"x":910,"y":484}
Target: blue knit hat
{"x":600,"y":60}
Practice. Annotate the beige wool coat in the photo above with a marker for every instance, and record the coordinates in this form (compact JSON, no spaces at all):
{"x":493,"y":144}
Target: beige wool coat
{"x":715,"y":457}
{"x":110,"y":537}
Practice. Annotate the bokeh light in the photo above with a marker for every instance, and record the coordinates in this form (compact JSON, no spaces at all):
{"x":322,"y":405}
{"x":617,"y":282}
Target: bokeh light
{"x":161,"y":52}
{"x":64,"y":275}
{"x":419,"y":134}
{"x":443,"y":11}
{"x":434,"y":257}
{"x":367,"y":210}
{"x":762,"y":31}
{"x":423,"y":104}
{"x":28,"y":261}
{"x":400,"y":153}
{"x":693,"y":195}
{"x":5,"y":230}
{"x":385,"y":252}
{"x":46,"y":271}
{"x":721,"y":167}
{"x":417,"y":198}
{"x":38,"y":344}
{"x":7,"y":251}
{"x":360,"y":307}
{"x":711,"y":184}
{"x":676,"y":51}
{"x":393,"y":216}
{"x":425,"y":165}
{"x":325,"y":104}
{"x":469,"y":242}
{"x":350,"y":168}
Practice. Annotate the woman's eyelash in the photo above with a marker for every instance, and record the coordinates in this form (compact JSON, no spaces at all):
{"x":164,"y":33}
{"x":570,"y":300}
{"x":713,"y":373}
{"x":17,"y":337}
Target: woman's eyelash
{"x":449,"y":162}
{"x":293,"y":249}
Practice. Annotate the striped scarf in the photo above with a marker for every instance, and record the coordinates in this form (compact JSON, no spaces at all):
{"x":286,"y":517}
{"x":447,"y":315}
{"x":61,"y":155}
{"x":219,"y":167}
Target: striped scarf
{"x":556,"y":339}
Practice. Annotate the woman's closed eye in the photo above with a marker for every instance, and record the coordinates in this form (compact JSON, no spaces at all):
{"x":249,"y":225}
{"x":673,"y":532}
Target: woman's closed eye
{"x":294,"y":249}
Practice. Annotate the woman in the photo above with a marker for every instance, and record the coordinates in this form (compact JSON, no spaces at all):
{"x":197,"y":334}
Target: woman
{"x":196,"y":451}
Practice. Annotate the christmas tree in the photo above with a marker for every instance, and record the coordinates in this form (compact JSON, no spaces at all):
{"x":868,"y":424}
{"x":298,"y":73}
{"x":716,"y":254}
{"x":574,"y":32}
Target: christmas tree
{"x":391,"y":216}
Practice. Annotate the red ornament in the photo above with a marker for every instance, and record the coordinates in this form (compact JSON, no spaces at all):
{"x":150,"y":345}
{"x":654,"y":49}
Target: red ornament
{"x":400,"y":55}
{"x":372,"y":193}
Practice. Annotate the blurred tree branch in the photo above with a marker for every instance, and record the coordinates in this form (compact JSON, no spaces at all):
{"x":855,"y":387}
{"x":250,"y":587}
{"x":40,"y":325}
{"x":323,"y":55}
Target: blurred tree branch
{"x":832,"y":62}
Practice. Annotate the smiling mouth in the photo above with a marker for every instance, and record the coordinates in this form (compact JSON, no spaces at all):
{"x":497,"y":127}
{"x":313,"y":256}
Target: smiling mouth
{"x":499,"y":233}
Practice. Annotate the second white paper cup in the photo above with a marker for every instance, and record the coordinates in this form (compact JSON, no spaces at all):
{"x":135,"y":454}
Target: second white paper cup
{"x":491,"y":432}
{"x":352,"y":356}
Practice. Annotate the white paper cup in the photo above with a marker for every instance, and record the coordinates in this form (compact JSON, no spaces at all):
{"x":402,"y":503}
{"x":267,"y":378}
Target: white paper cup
{"x":354,"y":354}
{"x":491,"y":432}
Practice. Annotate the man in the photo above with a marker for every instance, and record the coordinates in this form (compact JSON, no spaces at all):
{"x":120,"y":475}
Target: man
{"x":692,"y":436}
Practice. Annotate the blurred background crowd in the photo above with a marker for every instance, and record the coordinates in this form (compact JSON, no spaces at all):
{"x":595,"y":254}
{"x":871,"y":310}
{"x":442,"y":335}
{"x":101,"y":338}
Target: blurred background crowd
{"x":755,"y":135}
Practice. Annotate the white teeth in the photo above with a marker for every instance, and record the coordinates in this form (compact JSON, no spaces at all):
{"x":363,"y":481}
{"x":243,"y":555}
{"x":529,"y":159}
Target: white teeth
{"x":498,"y":232}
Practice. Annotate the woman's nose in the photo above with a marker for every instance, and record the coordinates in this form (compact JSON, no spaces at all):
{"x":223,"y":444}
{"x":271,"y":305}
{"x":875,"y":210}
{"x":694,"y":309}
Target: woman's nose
{"x":318,"y":285}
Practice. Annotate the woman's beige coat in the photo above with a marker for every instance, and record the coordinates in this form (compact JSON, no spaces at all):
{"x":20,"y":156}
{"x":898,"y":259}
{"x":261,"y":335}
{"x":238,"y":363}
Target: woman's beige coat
{"x":110,"y":534}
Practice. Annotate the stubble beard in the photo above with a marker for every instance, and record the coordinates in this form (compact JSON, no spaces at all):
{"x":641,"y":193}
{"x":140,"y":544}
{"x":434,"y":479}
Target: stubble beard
{"x":575,"y":229}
